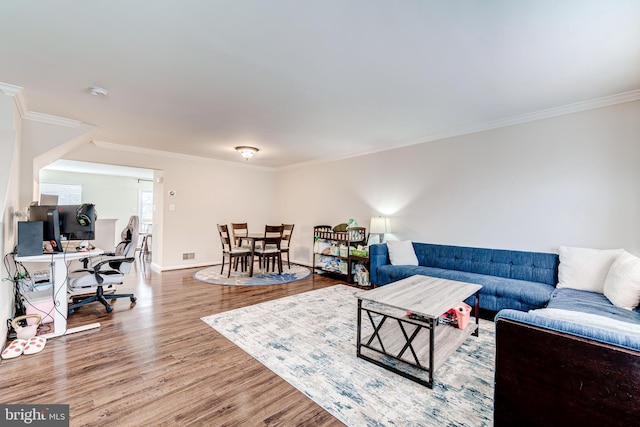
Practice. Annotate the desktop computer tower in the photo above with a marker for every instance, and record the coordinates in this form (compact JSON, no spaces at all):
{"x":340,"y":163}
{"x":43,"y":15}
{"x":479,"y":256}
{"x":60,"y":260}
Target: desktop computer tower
{"x":30,"y":238}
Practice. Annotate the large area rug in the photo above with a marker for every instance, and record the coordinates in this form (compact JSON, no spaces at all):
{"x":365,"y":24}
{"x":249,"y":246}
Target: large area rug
{"x":212,"y":276}
{"x":309,"y":340}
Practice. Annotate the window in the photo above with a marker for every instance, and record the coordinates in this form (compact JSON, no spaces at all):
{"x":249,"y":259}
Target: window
{"x":145,"y":208}
{"x":68,"y":194}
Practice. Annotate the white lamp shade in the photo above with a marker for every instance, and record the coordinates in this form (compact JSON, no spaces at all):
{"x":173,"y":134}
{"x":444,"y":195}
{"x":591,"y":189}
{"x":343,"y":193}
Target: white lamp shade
{"x":380,"y":225}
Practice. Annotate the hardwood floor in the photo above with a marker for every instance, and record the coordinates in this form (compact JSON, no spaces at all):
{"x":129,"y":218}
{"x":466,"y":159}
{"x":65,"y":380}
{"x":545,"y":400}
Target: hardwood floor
{"x":158,"y":364}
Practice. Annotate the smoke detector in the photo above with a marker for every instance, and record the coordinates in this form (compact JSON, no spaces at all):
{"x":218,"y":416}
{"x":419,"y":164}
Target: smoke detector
{"x":98,"y":91}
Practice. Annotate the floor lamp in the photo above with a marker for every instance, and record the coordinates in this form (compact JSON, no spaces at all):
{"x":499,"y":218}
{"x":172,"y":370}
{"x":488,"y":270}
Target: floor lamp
{"x":378,"y":227}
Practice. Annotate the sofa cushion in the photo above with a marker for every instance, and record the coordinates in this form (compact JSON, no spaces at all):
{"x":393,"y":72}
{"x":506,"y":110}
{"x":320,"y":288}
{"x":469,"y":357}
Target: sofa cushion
{"x":388,"y":273}
{"x":591,"y":302}
{"x":585,"y":269}
{"x":591,"y":309}
{"x":607,"y":336}
{"x":401,"y":253}
{"x":520,"y":265}
{"x":496,"y":293}
{"x":622,"y":285}
{"x":499,"y":292}
{"x":530,"y":275}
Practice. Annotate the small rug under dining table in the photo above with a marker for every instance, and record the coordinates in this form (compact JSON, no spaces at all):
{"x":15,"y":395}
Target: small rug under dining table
{"x":213,"y":276}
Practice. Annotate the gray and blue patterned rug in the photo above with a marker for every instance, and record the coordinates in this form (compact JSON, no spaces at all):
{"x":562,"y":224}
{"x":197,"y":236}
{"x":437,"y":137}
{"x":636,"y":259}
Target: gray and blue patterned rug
{"x":309,"y":340}
{"x":212,"y":276}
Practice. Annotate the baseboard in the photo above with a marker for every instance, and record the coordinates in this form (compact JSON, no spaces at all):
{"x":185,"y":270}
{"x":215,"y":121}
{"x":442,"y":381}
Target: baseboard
{"x":159,"y":269}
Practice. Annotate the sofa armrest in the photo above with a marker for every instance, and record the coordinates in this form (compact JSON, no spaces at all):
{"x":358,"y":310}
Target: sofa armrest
{"x":547,"y":377}
{"x":605,"y":336}
{"x":378,"y":255}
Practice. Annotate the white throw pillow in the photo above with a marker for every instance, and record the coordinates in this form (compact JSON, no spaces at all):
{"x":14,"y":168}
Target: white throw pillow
{"x":401,"y":253}
{"x":585,"y":269}
{"x":622,"y":285}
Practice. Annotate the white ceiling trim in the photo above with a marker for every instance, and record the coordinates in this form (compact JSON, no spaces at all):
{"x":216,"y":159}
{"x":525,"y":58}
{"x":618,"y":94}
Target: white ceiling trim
{"x":168,"y":154}
{"x":577,"y":107}
{"x":17,"y":93}
{"x":54,"y":120}
{"x":9,"y":89}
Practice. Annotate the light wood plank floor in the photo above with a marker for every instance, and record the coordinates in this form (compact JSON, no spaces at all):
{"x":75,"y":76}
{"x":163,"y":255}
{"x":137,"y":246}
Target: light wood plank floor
{"x":158,"y":364}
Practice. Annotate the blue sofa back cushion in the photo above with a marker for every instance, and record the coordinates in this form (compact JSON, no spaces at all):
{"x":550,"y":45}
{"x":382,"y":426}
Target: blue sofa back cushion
{"x":497,"y":292}
{"x":518,"y":265}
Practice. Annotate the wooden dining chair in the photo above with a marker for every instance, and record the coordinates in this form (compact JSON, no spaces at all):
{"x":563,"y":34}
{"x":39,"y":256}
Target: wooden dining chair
{"x":231,"y":252}
{"x":238,"y":231}
{"x":287,"y":232}
{"x":270,"y":249}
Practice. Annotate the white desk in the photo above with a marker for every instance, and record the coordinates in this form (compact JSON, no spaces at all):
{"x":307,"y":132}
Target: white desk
{"x":58,"y":264}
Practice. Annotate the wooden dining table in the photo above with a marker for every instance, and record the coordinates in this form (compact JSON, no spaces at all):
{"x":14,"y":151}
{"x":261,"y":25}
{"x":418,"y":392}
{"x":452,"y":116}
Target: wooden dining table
{"x":252,"y":238}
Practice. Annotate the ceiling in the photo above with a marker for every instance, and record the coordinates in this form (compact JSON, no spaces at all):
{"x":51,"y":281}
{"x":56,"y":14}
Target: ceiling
{"x":318,"y":79}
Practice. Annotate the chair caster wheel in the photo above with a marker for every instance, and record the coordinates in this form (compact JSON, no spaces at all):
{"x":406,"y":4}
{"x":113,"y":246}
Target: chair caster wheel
{"x":69,"y":312}
{"x":109,"y":309}
{"x":133,"y":299}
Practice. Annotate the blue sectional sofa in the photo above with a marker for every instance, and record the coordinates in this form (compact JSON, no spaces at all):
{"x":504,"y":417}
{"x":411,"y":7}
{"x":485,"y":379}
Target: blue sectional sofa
{"x":563,"y":356}
{"x":510,"y":279}
{"x":551,"y":371}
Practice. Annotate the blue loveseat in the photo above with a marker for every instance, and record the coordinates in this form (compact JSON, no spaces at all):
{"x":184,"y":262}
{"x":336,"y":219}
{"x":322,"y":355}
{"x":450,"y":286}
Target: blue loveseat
{"x":510,"y":279}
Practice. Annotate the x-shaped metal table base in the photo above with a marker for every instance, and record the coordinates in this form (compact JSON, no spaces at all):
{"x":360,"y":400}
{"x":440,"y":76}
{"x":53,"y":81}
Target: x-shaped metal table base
{"x":429,"y":324}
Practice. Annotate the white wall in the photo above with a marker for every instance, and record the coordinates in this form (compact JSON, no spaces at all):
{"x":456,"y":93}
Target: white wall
{"x":41,"y":144}
{"x":207,"y":192}
{"x":568,"y":180}
{"x":564,"y":180}
{"x":9,"y":176}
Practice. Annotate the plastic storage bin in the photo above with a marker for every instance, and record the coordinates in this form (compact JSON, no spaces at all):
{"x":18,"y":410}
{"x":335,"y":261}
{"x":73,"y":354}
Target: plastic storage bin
{"x":463,"y":314}
{"x":39,"y":302}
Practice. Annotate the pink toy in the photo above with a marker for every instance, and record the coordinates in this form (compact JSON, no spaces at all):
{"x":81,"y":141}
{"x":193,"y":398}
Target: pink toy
{"x":463,"y":313}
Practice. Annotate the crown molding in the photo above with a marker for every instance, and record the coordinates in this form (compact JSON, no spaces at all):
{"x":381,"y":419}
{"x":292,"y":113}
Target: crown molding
{"x":18,"y":96}
{"x":577,"y":107}
{"x":54,"y":120}
{"x":169,"y":154}
{"x":10,"y":90}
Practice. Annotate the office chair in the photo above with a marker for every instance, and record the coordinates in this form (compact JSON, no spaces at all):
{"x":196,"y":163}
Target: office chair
{"x":106,"y":271}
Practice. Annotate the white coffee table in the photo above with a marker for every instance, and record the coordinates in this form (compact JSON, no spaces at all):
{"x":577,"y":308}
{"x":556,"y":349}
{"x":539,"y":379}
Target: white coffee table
{"x":422,"y":344}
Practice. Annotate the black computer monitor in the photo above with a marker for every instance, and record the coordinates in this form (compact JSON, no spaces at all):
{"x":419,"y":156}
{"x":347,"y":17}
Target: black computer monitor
{"x":77,"y":222}
{"x":51,"y":224}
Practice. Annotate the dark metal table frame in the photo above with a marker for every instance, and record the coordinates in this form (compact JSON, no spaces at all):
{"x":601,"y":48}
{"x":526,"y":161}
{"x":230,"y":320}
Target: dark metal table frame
{"x":429,"y":323}
{"x":252,"y":238}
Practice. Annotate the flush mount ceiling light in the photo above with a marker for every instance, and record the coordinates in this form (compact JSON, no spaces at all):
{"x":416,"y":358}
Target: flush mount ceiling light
{"x":98,"y":91}
{"x":247,"y":152}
